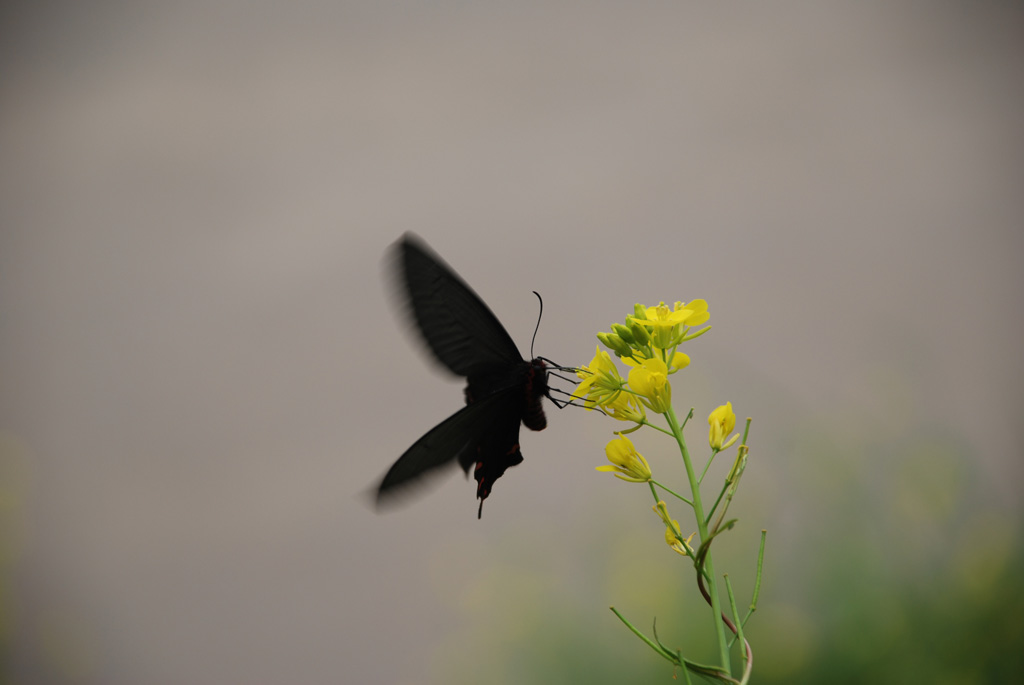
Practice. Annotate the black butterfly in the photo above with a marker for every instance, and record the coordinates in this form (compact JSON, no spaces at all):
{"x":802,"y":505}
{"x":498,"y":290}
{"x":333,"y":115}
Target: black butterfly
{"x":503,"y":388}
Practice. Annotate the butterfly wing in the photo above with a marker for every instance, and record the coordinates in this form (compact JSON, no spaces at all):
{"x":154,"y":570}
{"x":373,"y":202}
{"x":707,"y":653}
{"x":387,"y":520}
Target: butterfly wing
{"x":459,"y":437}
{"x":459,"y":328}
{"x":466,"y":337}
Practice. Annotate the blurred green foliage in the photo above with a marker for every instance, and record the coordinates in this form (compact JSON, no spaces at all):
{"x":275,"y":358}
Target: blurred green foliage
{"x":885,"y":564}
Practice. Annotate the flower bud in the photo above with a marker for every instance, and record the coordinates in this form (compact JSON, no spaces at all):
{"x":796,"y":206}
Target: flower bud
{"x":722,"y":421}
{"x":615,"y":344}
{"x":623,"y":332}
{"x":640,"y":332}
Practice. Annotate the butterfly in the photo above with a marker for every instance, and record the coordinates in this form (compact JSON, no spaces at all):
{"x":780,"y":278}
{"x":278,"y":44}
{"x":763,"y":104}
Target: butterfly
{"x":503,"y":390}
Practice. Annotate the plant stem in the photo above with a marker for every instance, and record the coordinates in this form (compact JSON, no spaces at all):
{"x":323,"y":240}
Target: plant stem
{"x":650,"y":643}
{"x":702,"y":529}
{"x":674,"y":494}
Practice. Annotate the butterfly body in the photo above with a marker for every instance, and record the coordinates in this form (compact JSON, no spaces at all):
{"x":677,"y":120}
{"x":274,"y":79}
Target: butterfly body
{"x":503,"y":390}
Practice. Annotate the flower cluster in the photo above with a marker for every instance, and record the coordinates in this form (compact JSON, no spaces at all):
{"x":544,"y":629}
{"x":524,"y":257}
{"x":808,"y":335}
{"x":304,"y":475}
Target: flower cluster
{"x":649,"y":344}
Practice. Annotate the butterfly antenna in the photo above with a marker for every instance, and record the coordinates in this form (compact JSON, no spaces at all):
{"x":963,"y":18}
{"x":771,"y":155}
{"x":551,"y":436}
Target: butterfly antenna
{"x":537,"y":327}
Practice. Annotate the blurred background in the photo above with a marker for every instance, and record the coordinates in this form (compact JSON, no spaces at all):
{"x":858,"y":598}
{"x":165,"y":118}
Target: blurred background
{"x":202,"y":374}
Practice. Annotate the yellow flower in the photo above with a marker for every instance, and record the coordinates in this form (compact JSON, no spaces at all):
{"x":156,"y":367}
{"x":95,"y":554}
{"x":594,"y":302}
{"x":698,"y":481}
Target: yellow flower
{"x":626,"y":462}
{"x":672,"y":539}
{"x":625,"y":407}
{"x":661,"y":316}
{"x":650,"y":381}
{"x":663,"y":323}
{"x":698,"y":312}
{"x":722,"y":422}
{"x":679,"y":361}
{"x":666,"y":326}
{"x":601,"y":384}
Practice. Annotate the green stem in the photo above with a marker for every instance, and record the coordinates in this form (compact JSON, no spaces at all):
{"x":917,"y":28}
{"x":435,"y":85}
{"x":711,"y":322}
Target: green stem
{"x":760,"y":570}
{"x":711,"y":512}
{"x":757,"y":584}
{"x":702,"y":529}
{"x":645,"y":422}
{"x":675,"y":657}
{"x":650,"y":643}
{"x":735,"y":612}
{"x":714,"y":453}
{"x":674,"y":494}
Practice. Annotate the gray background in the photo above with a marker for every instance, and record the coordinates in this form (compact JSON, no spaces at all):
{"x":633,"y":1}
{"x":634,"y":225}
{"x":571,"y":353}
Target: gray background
{"x":201,"y":373}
